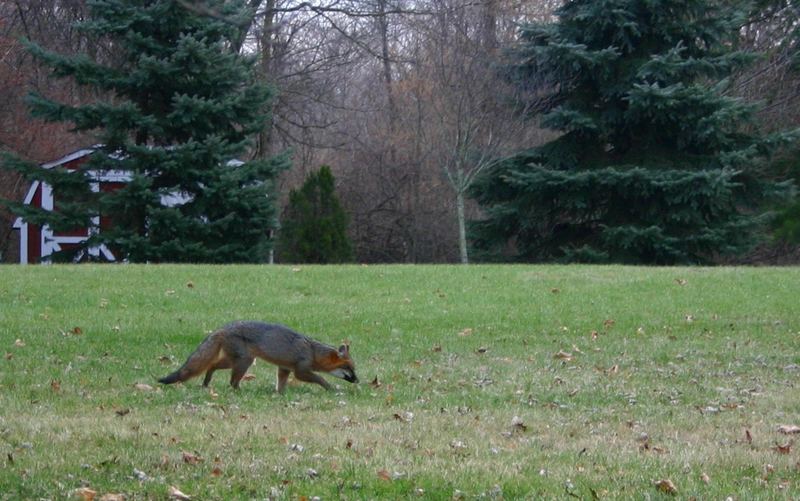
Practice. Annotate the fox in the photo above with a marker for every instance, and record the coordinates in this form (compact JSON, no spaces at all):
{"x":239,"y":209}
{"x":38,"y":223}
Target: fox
{"x":236,"y":345}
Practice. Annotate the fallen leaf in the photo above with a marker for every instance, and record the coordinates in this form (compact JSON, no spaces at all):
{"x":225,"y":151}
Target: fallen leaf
{"x":748,"y":437}
{"x":666,"y":486}
{"x":55,"y":385}
{"x":85,"y":493}
{"x":174,"y":493}
{"x":404,"y":417}
{"x":681,"y":281}
{"x":594,"y":335}
{"x":789,"y":429}
{"x":608,"y":323}
{"x":705,"y":478}
{"x":122,"y":412}
{"x":384,"y":475}
{"x":784,"y":449}
{"x":563,"y":355}
{"x":113,"y":497}
{"x":216,"y":472}
{"x":375,"y":383}
{"x":190,"y":458}
{"x":143,"y":387}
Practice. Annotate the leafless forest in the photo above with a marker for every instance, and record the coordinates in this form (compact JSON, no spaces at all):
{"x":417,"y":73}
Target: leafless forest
{"x":389,"y":93}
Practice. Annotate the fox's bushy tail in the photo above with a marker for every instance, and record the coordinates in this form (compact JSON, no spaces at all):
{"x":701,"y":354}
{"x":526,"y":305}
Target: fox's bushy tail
{"x":198,"y":362}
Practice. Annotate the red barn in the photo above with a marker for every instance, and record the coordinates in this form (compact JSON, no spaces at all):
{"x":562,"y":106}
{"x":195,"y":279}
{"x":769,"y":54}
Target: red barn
{"x":38,"y":243}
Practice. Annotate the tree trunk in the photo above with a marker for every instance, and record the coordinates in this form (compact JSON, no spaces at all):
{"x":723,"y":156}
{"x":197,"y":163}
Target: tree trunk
{"x":462,"y":227}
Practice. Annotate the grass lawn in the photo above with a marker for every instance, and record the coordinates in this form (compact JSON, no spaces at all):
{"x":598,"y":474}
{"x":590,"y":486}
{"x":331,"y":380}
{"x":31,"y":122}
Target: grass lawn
{"x":537,"y":382}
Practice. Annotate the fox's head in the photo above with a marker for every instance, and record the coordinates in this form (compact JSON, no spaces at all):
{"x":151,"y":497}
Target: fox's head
{"x":342,"y":366}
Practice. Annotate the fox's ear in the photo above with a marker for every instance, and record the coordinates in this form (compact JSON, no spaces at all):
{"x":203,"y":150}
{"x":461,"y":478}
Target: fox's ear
{"x":344,"y":350}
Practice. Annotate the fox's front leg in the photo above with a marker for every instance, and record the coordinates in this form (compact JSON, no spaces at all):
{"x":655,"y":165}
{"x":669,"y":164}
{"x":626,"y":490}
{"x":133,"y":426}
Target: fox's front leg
{"x":310,"y":377}
{"x":283,"y":376}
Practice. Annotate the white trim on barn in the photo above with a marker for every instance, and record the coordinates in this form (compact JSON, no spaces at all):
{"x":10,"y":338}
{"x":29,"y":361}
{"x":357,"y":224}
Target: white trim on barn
{"x":49,"y":241}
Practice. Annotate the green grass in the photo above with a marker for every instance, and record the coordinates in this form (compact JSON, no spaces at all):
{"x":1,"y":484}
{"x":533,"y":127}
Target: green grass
{"x":682,"y":374}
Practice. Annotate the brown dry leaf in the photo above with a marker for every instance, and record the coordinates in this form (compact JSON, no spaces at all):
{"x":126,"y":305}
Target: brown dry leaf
{"x":666,"y":486}
{"x":705,"y":478}
{"x":466,"y":332}
{"x":784,"y":449}
{"x":789,"y":429}
{"x":174,"y":493}
{"x":594,"y":335}
{"x":375,"y":383}
{"x":216,"y":472}
{"x":748,"y":437}
{"x":122,"y":412}
{"x":85,"y":493}
{"x":404,"y":417}
{"x":143,"y":387}
{"x":190,"y":458}
{"x":608,"y":323}
{"x":77,"y":331}
{"x":563,"y":355}
{"x":55,"y":385}
{"x":385,"y":475}
{"x":113,"y":497}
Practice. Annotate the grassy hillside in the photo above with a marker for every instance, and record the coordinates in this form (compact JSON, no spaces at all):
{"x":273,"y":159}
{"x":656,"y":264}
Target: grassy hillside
{"x":479,"y":381}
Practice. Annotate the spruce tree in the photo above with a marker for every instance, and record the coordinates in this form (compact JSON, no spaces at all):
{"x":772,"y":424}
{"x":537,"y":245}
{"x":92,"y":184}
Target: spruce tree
{"x":654,"y":163}
{"x":314,"y":228}
{"x":181,"y":107}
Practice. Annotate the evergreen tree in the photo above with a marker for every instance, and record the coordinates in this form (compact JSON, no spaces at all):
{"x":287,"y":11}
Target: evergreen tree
{"x":315,"y":225}
{"x":181,"y":108}
{"x":654,"y":163}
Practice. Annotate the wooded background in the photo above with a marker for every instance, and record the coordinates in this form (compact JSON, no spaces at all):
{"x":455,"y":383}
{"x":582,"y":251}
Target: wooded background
{"x":388,"y":93}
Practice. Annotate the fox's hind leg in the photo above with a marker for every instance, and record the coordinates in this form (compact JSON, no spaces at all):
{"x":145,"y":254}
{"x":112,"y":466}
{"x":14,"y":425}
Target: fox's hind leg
{"x":222,"y":364}
{"x":240,"y":366}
